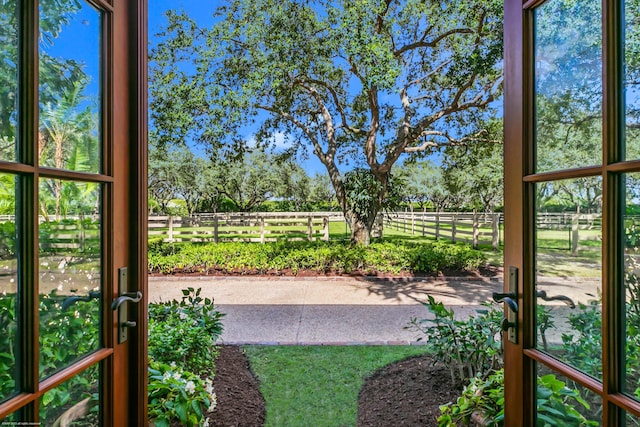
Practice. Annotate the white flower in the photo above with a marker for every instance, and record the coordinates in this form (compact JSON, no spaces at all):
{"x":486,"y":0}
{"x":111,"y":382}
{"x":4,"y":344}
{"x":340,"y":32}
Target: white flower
{"x":190,"y":387}
{"x":166,"y":376}
{"x":173,"y":364}
{"x":206,"y":422}
{"x":177,"y":376}
{"x":214,"y":402}
{"x":209,"y":388}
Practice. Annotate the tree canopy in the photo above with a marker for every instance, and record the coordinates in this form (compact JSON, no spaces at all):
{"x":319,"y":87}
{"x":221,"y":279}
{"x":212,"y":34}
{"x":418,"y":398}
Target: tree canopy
{"x":355,"y":83}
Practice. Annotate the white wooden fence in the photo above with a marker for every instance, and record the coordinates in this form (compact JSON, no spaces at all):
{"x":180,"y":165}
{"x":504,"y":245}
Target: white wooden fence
{"x":472,"y":228}
{"x":242,"y":227}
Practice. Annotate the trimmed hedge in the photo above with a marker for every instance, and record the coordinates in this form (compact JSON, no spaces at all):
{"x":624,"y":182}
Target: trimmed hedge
{"x":320,"y":257}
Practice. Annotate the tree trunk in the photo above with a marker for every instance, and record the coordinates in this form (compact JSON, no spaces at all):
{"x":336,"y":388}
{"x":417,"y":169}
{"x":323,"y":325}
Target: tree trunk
{"x":360,"y":233}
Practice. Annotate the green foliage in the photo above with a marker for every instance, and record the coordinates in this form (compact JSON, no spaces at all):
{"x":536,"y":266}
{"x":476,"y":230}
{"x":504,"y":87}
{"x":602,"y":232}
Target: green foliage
{"x":470,"y":347}
{"x":324,"y":257}
{"x":66,"y":335}
{"x":185,"y":332}
{"x":556,"y":403}
{"x":356,"y":83}
{"x":7,"y":239}
{"x":178,"y":395}
{"x":367,"y":195}
{"x":481,"y":396}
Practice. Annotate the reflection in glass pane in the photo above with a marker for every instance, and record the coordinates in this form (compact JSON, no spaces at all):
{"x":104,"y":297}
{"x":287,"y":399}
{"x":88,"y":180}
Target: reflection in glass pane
{"x":632,"y":420}
{"x":632,"y":284}
{"x":562,"y":402}
{"x":70,"y":86}
{"x":70,"y":272}
{"x":568,"y":87}
{"x":8,"y":79}
{"x":632,"y":79}
{"x":8,"y":287}
{"x":74,"y":402}
{"x":568,"y":258}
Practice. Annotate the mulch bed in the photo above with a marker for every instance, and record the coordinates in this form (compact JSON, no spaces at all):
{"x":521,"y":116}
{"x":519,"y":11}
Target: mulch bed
{"x":406,"y":393}
{"x":237,"y":390}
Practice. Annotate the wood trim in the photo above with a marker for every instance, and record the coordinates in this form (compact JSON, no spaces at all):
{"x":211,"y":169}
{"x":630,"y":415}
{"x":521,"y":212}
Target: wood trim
{"x":532,"y":4}
{"x":67,"y":373}
{"x":139,"y":210}
{"x":53,"y":381}
{"x":624,"y":167}
{"x":566,"y":370}
{"x":516,"y":384}
{"x":627,"y":403}
{"x":27,"y":203}
{"x":16,"y":168}
{"x":613,"y":298}
{"x":73,"y":176}
{"x":564,"y":174}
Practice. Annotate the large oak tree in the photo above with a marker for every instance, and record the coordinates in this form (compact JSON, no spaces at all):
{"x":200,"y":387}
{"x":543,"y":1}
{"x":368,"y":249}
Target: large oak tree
{"x":357,"y":83}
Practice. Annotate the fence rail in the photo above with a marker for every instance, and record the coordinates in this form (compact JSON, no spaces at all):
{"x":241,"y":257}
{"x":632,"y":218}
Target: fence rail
{"x":472,"y":228}
{"x":242,"y":227}
{"x":82,"y":233}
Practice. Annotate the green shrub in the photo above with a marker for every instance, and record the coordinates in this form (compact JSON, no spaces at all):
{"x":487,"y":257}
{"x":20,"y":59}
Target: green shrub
{"x":178,"y":395}
{"x":471,"y":348}
{"x":322,"y":257}
{"x":185,"y":332}
{"x":556,"y":403}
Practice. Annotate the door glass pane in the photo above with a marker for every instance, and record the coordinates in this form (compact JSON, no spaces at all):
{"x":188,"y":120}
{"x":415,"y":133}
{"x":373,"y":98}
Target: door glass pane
{"x":74,"y":402}
{"x":8,"y":79}
{"x":632,"y":420}
{"x":632,"y":284}
{"x":568,"y":257}
{"x":70,"y":88}
{"x":8,"y":287}
{"x":70,"y":272}
{"x":562,"y":402}
{"x":568,"y":87}
{"x":632,"y":78}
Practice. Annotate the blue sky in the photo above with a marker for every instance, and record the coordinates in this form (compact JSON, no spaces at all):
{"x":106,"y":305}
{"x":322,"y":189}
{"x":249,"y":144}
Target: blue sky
{"x":202,"y":12}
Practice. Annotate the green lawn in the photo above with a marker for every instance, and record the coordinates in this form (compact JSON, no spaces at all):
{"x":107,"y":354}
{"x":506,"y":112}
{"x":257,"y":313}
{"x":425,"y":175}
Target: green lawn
{"x":318,"y":385}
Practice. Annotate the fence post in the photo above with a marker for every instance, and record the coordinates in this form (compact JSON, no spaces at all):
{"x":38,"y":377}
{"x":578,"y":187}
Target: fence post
{"x":453,"y":227}
{"x":475,"y":229}
{"x":413,"y":221}
{"x":495,"y":231}
{"x":325,"y":227}
{"x":437,"y":226}
{"x":171,"y":228}
{"x":215,"y":228}
{"x":404,"y":221}
{"x":575,"y":222}
{"x":262,"y":229}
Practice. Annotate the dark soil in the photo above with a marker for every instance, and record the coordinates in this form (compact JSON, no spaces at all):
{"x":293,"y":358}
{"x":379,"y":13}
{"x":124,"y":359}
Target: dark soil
{"x":237,"y":390}
{"x":406,"y":393}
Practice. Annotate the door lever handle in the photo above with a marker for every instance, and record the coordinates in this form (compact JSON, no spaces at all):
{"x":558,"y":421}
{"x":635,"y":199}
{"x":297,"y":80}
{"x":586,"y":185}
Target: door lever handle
{"x":507,"y":298}
{"x":126,"y":297}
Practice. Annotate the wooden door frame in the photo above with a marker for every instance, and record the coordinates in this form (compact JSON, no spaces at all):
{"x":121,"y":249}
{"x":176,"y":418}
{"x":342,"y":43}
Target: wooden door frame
{"x":520,"y":358}
{"x":517,"y":386}
{"x":124,"y":123}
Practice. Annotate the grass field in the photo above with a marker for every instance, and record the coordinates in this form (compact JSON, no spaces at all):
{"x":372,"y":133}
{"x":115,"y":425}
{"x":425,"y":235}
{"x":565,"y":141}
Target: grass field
{"x":318,"y":385}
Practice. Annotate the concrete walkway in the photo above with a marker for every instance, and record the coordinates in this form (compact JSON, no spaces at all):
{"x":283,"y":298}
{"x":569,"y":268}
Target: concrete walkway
{"x":325,"y":310}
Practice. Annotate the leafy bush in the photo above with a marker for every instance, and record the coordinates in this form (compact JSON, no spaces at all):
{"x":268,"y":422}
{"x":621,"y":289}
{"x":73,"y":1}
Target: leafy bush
{"x":471,"y":348}
{"x":322,"y":257}
{"x":185,"y":332}
{"x":176,"y":394}
{"x":556,"y":403}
